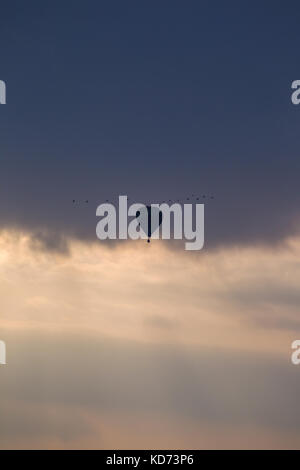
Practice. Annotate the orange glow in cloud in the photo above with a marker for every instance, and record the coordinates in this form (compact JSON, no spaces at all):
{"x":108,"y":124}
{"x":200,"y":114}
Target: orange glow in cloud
{"x":238,"y":298}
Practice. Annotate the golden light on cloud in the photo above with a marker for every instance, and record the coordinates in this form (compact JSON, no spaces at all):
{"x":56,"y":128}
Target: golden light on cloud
{"x":237,"y":297}
{"x":140,"y":345}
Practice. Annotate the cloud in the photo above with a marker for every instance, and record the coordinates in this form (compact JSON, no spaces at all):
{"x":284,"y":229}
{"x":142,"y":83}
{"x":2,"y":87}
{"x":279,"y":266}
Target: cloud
{"x":153,"y":293}
{"x":65,"y":387}
{"x":46,"y":240}
{"x":104,"y":335}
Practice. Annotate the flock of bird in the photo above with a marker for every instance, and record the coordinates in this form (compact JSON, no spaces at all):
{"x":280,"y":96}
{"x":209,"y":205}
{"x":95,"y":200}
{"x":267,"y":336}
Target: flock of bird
{"x":198,"y":198}
{"x":193,"y":197}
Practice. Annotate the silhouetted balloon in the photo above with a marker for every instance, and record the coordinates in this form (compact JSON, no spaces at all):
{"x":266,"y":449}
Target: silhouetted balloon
{"x":147,"y":217}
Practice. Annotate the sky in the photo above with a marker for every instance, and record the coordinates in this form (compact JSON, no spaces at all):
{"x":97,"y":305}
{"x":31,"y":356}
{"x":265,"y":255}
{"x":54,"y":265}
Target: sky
{"x":122,"y":344}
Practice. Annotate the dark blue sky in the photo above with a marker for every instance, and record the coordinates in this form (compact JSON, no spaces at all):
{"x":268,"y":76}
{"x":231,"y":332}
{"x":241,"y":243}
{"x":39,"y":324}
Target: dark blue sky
{"x":155,"y":100}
